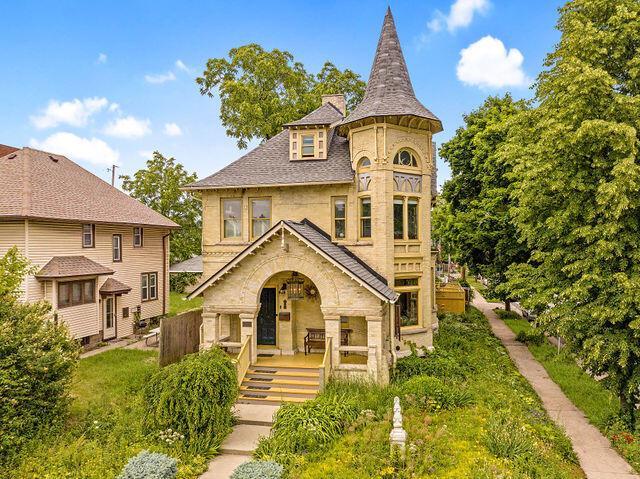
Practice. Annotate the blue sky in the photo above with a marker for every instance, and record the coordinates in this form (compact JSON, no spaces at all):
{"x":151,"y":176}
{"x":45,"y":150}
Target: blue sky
{"x":113,"y":81}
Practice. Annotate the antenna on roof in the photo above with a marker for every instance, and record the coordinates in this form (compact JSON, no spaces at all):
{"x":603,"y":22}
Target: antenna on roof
{"x":113,"y":174}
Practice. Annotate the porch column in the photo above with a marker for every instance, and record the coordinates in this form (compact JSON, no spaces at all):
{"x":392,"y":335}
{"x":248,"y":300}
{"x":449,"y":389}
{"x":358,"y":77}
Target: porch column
{"x":374,"y":342}
{"x":248,"y":328}
{"x":210,"y":330}
{"x":332,"y":330}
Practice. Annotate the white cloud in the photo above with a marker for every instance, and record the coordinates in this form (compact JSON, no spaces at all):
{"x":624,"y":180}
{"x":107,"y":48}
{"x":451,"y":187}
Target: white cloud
{"x":75,"y":112}
{"x":172,"y":129}
{"x":181,"y":66}
{"x":92,"y":150}
{"x":487,"y":63}
{"x":114,"y":107}
{"x":460,"y":15}
{"x":147,"y":155}
{"x":102,"y":58}
{"x":128,"y":127}
{"x":160,"y":77}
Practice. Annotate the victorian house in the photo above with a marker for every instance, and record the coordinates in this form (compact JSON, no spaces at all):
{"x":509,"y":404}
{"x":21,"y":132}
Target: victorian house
{"x":316,"y":244}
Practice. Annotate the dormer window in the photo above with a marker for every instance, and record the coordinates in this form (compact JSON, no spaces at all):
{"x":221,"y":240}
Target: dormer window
{"x":308,"y":146}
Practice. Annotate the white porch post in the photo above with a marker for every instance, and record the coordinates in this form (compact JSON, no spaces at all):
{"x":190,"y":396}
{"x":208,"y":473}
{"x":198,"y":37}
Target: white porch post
{"x":210,"y":330}
{"x":332,"y":330}
{"x":248,"y":328}
{"x":374,"y":342}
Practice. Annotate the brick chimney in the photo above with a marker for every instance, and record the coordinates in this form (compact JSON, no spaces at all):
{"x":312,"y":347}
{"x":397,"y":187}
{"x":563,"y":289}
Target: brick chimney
{"x":336,"y":100}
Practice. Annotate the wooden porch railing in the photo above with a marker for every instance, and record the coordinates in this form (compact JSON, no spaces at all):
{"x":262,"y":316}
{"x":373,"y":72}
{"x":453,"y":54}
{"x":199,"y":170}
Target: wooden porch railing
{"x":325,"y":367}
{"x":243,"y":361}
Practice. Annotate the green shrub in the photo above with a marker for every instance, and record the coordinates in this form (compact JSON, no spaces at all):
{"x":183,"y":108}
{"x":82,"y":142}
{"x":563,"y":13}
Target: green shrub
{"x":178,"y":282}
{"x":258,"y":470}
{"x":430,"y":393}
{"x":37,"y":359}
{"x":534,"y":337}
{"x":507,"y":439}
{"x":503,"y":314}
{"x":150,"y":465}
{"x":438,"y":363}
{"x":363,"y":395}
{"x":194,"y":398}
{"x":304,"y":427}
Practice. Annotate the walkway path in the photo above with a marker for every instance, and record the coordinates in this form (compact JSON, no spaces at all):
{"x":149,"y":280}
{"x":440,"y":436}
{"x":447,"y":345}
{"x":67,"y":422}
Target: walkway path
{"x":597,"y":458}
{"x":254,"y":421}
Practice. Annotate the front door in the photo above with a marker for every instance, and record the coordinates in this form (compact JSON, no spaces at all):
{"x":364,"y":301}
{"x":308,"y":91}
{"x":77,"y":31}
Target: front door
{"x":109,"y":326}
{"x":267,"y":317}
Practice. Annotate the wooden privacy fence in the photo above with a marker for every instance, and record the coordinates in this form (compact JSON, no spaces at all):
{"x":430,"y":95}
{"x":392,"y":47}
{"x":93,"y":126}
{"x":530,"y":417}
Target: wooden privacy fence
{"x":179,"y":336}
{"x":450,"y":298}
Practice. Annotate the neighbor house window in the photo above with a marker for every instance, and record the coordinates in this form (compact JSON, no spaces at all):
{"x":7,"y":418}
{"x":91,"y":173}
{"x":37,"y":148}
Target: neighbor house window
{"x":149,"y":286}
{"x":232,"y":218}
{"x":117,"y":247}
{"x":260,"y":216}
{"x":308,"y":148}
{"x":340,"y":217}
{"x":365,"y":217}
{"x":137,"y":237}
{"x":74,"y":293}
{"x":88,"y":236}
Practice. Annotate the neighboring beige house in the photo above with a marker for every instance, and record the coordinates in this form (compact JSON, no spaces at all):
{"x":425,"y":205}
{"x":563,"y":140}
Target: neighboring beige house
{"x":101,"y":256}
{"x":319,"y":239}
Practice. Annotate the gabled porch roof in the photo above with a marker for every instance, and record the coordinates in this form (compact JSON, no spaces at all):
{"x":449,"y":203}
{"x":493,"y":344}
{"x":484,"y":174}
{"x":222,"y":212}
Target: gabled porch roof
{"x":319,"y":241}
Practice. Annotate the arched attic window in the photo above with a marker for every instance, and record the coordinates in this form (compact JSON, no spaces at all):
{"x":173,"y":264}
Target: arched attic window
{"x":405,"y":158}
{"x":364,"y":163}
{"x":364,"y":175}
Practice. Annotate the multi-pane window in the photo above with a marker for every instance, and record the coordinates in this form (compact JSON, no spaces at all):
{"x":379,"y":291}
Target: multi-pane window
{"x":149,"y":286}
{"x":408,"y":302}
{"x":232,"y":217}
{"x":340,"y":217}
{"x":260,"y":217}
{"x":74,"y":293}
{"x":137,"y":237}
{"x":405,"y":218}
{"x":88,"y":236}
{"x":365,"y":217}
{"x":116,"y":242}
{"x":405,"y":158}
{"x":308,"y":148}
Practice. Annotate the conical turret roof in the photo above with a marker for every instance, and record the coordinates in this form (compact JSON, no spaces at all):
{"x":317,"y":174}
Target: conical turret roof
{"x":389,"y":90}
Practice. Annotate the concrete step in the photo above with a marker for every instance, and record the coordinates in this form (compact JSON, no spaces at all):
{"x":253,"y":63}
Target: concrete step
{"x":272,"y":400}
{"x":255,"y":414}
{"x":244,"y":439}
{"x":279,"y":391}
{"x":283,"y":383}
{"x":273,"y":373}
{"x":223,"y":466}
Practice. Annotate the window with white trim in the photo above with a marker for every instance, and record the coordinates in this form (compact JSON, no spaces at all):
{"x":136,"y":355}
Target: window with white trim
{"x":149,"y":286}
{"x":88,"y":235}
{"x":137,"y":237}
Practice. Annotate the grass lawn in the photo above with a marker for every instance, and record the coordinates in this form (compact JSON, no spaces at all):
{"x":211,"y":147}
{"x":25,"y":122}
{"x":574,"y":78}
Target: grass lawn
{"x":597,"y":403}
{"x":497,"y":429}
{"x":103,"y":429}
{"x":177,"y":303}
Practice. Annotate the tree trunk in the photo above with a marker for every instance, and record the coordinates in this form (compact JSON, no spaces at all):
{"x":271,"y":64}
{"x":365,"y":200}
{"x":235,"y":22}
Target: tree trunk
{"x":507,"y":305}
{"x":628,"y":410}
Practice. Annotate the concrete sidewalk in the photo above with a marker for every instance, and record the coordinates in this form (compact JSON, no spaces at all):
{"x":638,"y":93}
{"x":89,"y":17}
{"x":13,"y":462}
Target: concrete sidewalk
{"x":597,"y":458}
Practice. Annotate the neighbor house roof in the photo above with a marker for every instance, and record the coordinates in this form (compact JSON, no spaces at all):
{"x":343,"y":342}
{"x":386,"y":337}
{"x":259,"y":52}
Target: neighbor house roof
{"x":191,"y":265}
{"x":40,"y":185}
{"x":320,"y":242}
{"x":6,"y":149}
{"x":113,"y":286}
{"x":68,"y":266}
{"x":389,"y":89}
{"x":324,"y":115}
{"x":269,"y":165}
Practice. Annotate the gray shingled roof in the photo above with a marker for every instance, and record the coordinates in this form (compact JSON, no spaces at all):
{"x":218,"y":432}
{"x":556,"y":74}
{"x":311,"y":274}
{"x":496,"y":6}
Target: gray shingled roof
{"x":324,"y":115}
{"x":113,"y":286}
{"x":191,"y":265}
{"x":269,"y":164}
{"x":68,"y":266}
{"x":389,"y":90}
{"x":346,"y":258}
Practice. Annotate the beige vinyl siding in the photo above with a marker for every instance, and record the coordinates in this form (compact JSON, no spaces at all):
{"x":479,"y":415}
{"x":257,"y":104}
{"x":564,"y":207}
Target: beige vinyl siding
{"x":48,"y":239}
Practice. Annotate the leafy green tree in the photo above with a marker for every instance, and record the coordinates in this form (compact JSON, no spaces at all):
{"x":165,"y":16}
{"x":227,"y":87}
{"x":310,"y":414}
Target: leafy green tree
{"x":158,"y":186}
{"x":262,"y":90}
{"x":474,"y":222}
{"x":577,"y":192}
{"x":14,"y":268}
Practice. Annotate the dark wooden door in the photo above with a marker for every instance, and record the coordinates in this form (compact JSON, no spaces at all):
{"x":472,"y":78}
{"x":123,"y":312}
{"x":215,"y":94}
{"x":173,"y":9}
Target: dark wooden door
{"x":267,"y":317}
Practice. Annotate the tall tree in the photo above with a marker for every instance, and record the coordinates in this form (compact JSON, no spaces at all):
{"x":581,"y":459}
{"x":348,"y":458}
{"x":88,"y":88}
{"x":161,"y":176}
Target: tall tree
{"x":262,"y":90}
{"x":578,"y":191}
{"x":474,"y":220}
{"x":158,"y":186}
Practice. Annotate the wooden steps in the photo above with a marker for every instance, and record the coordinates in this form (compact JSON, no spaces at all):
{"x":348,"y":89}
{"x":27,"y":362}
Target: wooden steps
{"x":276,"y":384}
